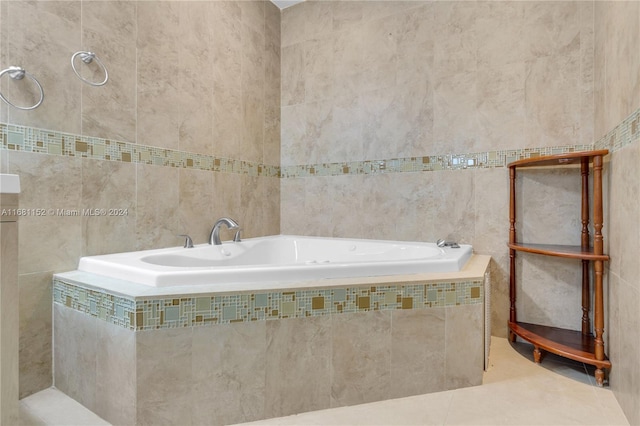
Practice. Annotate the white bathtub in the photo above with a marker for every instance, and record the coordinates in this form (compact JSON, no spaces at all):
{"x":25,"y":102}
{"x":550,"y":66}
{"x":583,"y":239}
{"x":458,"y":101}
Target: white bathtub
{"x":277,"y":258}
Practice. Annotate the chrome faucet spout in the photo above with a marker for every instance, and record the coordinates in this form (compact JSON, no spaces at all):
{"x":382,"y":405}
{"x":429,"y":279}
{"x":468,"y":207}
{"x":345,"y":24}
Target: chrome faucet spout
{"x":214,"y":236}
{"x":443,"y":243}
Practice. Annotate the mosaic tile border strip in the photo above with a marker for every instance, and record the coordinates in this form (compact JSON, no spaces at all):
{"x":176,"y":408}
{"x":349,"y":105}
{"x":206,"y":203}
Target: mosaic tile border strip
{"x":177,"y":312}
{"x":482,"y":160}
{"x":622,"y":135}
{"x":22,"y":138}
{"x":107,"y":307}
{"x":29,"y":139}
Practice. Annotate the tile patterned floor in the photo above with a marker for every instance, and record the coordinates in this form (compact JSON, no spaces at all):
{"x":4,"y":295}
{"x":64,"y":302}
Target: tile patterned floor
{"x":515,"y":391}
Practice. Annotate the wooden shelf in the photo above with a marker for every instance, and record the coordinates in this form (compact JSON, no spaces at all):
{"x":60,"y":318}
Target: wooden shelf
{"x":567,"y":343}
{"x":557,"y":159}
{"x":573,"y":252}
{"x":586,"y":345}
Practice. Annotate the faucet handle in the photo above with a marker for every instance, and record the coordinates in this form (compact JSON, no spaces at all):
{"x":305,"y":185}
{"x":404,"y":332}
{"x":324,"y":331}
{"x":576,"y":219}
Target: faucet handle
{"x":188,"y":242}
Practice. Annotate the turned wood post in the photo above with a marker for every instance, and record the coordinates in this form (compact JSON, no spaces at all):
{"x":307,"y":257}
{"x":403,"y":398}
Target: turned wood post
{"x":512,"y":240}
{"x":598,"y":264}
{"x":586,"y":299}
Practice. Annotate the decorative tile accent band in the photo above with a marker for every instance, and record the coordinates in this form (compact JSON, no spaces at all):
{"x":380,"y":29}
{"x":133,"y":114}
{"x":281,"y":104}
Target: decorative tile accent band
{"x":29,"y":139}
{"x":245,"y":307}
{"x":482,"y":160}
{"x":113,"y":309}
{"x":22,"y":138}
{"x":622,"y":135}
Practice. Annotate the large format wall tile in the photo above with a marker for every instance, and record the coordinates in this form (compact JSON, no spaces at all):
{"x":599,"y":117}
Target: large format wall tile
{"x":621,"y":330}
{"x":196,"y":204}
{"x":110,"y":186}
{"x":548,"y":206}
{"x":464,"y":346}
{"x":417,"y":335}
{"x":227,"y":79}
{"x":163,"y":373}
{"x":229,"y":371}
{"x":255,"y":206}
{"x":115,"y":374}
{"x":109,"y":30}
{"x":35,"y":332}
{"x":158,"y":74}
{"x":293,"y":74}
{"x":491,"y":233}
{"x":625,"y":227}
{"x":361,"y":358}
{"x":76,"y":343}
{"x":627,"y":360}
{"x":157,"y":211}
{"x":617,"y":54}
{"x":51,"y":241}
{"x":195,"y":77}
{"x":253,"y":108}
{"x":298,"y":376}
{"x":549,"y":291}
{"x":272,"y":86}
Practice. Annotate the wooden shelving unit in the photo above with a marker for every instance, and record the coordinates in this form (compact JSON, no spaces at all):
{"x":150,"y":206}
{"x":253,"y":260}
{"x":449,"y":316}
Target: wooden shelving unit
{"x":584,"y":346}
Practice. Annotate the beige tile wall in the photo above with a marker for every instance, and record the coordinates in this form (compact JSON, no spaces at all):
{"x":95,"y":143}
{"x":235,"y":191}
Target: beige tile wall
{"x":380,"y":81}
{"x":200,"y":77}
{"x":359,"y":81}
{"x":617,"y":95}
{"x":434,"y":77}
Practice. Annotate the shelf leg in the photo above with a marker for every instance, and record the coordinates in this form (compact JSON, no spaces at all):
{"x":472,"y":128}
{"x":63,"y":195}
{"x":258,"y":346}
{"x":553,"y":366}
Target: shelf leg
{"x":599,"y":377}
{"x":537,"y":355}
{"x":598,"y":312}
{"x":598,"y":265}
{"x":512,"y":253}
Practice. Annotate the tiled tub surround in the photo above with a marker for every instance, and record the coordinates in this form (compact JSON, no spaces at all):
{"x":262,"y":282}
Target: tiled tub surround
{"x":140,"y":355}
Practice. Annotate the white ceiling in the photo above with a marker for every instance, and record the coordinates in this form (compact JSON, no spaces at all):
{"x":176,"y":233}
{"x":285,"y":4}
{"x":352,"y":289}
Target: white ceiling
{"x":282,"y":4}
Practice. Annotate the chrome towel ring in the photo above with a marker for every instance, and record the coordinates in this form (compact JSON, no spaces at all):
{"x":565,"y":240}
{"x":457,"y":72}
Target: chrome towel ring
{"x":87,"y":58}
{"x":18,"y":73}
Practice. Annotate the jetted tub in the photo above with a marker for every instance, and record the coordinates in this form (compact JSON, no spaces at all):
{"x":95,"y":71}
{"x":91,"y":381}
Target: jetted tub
{"x":276,"y":258}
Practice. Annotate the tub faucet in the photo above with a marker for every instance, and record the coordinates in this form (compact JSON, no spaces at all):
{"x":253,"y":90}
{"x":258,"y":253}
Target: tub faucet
{"x":443,"y":243}
{"x":214,"y":237}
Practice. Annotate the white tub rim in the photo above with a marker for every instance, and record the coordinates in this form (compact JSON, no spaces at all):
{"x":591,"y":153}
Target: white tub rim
{"x":474,"y":270}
